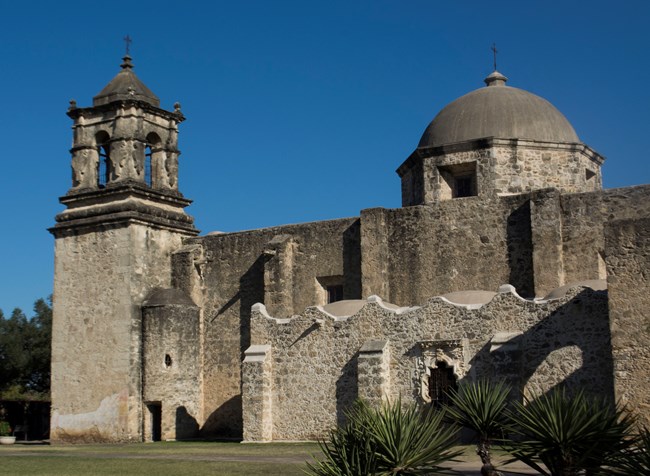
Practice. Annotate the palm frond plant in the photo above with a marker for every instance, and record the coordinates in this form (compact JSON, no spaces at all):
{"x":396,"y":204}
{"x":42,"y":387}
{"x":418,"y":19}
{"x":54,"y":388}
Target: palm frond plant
{"x":481,"y":407}
{"x":391,"y":441}
{"x":568,"y":435}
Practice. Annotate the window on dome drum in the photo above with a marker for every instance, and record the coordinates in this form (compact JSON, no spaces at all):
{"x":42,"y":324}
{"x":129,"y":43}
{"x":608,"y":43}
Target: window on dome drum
{"x":458,"y":181}
{"x":464,"y":186}
{"x":589,"y":174}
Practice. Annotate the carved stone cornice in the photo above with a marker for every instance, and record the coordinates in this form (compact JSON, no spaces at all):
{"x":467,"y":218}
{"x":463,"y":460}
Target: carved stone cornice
{"x":76,"y":112}
{"x":123,"y":203}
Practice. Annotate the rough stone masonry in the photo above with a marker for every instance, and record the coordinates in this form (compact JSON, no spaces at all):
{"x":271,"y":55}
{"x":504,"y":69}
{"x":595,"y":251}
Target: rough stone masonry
{"x":507,"y":260}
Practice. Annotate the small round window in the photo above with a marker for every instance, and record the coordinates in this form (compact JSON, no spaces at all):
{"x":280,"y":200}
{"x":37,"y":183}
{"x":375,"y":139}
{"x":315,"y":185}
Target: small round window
{"x":168,"y":360}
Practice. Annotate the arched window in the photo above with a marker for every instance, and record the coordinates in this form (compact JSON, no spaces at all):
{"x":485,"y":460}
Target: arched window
{"x":441,"y":382}
{"x":104,"y":163}
{"x":152,"y":160}
{"x":147,"y":164}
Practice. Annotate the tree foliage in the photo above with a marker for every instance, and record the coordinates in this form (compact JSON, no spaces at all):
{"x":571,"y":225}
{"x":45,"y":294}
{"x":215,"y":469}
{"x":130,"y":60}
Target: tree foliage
{"x":25,"y":353}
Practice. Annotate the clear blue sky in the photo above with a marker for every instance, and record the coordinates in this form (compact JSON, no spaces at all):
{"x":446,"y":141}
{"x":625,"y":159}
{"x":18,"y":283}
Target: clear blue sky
{"x":299,"y":110}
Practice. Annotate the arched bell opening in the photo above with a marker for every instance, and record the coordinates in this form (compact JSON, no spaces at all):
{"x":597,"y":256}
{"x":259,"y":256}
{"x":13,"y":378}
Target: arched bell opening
{"x":154,"y":161}
{"x":104,"y":168}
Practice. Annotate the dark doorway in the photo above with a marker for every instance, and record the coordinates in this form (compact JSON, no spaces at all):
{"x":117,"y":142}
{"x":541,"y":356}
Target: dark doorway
{"x":155,"y":414}
{"x":441,"y":382}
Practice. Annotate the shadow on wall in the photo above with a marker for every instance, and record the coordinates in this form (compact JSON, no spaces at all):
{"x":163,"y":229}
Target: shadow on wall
{"x":226,"y":421}
{"x":352,"y":261}
{"x":251,"y":291}
{"x":571,"y":347}
{"x":186,"y":425}
{"x":520,"y":250}
{"x":346,"y":389}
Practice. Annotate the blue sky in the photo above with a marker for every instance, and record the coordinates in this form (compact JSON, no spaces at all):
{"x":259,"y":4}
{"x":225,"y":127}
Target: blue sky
{"x":299,"y":110}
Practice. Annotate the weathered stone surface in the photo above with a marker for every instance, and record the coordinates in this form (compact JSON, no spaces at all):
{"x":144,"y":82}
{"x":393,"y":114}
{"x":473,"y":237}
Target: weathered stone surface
{"x":160,"y":333}
{"x":499,"y":166}
{"x":322,"y":364}
{"x":627,"y":249}
{"x":172,"y":357}
{"x":101,"y":278}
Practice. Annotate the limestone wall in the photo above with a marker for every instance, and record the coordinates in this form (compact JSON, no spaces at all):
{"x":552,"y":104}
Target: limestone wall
{"x":317,"y":362}
{"x":499,"y":167}
{"x":100,"y":279}
{"x":627,"y":248}
{"x":584,"y":217}
{"x":526,"y":166}
{"x":172,"y":359}
{"x":231,"y":272}
{"x":410,"y":254}
{"x":125,"y":132}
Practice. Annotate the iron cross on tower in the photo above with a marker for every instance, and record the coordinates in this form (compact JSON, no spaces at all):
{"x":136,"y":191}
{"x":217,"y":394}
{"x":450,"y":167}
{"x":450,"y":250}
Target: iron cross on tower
{"x":494,"y":50}
{"x":127,"y":41}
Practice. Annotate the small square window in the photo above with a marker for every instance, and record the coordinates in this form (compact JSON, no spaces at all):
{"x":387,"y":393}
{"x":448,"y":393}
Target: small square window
{"x":464,"y":187}
{"x":458,"y":181}
{"x":334,"y":293}
{"x":329,"y":289}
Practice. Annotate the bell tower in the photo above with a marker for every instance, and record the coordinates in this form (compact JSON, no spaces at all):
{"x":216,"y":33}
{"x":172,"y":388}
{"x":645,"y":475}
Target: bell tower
{"x":124,"y":217}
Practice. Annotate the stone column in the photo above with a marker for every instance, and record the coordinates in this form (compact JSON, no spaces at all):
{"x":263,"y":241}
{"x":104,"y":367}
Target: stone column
{"x":278,"y":275}
{"x":627,"y":250}
{"x":374,"y":372}
{"x":374,"y":254}
{"x":546,"y":237}
{"x":257,"y":394}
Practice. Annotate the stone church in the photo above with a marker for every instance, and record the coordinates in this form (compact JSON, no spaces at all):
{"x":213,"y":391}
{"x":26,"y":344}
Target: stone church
{"x":507,"y":260}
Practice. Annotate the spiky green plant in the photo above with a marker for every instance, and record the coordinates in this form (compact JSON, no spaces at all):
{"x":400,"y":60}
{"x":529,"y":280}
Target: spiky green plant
{"x":480,"y":406}
{"x":569,"y":434}
{"x":390,"y":441}
{"x":634,"y":460}
{"x":349,"y":450}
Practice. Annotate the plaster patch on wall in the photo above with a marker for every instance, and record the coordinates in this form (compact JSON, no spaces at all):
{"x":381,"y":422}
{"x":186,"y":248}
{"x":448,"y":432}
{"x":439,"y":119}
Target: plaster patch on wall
{"x":96,"y":425}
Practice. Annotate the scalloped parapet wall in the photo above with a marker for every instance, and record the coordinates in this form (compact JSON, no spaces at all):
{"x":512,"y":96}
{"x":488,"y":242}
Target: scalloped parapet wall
{"x":506,"y":289}
{"x":319,"y":363}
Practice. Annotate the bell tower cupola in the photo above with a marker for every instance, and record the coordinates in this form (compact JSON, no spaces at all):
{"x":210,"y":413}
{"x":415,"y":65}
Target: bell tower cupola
{"x":125,"y":144}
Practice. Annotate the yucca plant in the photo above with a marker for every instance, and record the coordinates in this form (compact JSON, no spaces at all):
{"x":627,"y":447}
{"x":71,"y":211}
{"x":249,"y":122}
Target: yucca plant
{"x":569,"y":434}
{"x":635,"y":460}
{"x":480,"y":406}
{"x":349,"y":450}
{"x":389,"y":441}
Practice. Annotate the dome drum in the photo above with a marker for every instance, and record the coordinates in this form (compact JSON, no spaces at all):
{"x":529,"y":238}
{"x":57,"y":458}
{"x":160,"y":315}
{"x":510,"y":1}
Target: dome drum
{"x":491,"y":167}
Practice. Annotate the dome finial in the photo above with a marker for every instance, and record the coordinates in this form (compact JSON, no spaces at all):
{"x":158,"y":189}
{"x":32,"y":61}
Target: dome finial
{"x":126,"y":64}
{"x":494,"y":51}
{"x":127,"y":42}
{"x":495,"y":79}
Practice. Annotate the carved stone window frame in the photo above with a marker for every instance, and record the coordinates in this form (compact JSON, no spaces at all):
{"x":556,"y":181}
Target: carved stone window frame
{"x":453,"y":352}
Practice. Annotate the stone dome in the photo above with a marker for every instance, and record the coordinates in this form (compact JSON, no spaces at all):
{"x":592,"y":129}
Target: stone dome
{"x":126,"y":86}
{"x":499,"y":111}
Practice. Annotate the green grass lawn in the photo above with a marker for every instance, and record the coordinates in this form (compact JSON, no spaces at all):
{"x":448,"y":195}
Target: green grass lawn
{"x":178,"y":458}
{"x":169,"y":459}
